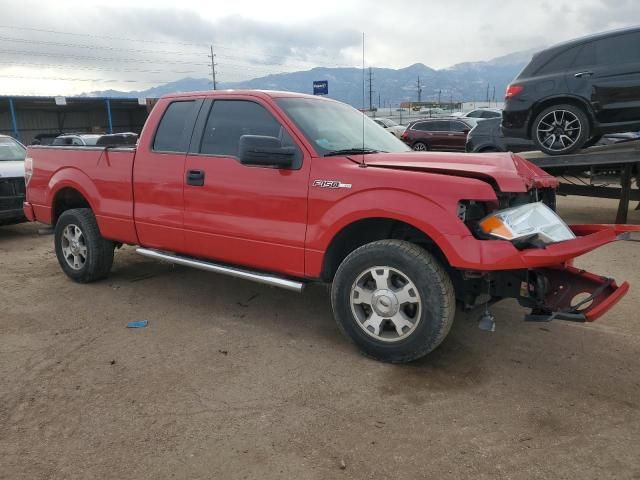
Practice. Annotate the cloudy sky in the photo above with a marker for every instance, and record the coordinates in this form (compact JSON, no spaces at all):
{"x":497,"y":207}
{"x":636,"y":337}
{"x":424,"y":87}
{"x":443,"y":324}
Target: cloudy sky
{"x":69,"y":47}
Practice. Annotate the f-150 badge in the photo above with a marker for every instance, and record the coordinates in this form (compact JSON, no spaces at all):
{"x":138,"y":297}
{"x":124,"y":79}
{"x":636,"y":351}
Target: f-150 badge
{"x":330,"y":184}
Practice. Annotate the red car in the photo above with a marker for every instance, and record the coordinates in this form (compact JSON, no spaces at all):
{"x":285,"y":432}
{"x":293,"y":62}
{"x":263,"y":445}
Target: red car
{"x":442,"y":134}
{"x":288,"y":189}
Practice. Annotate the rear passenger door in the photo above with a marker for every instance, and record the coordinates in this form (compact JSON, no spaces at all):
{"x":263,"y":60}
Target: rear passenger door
{"x":457,"y":135}
{"x":441,"y":135}
{"x":158,"y":172}
{"x":608,"y":72}
{"x":240,"y":214}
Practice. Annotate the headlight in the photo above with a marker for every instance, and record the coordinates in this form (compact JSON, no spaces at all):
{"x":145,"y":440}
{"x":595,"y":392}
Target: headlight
{"x":526,"y":221}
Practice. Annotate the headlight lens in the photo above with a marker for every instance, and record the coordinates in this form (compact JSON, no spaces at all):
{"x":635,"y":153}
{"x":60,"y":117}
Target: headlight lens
{"x":526,"y":221}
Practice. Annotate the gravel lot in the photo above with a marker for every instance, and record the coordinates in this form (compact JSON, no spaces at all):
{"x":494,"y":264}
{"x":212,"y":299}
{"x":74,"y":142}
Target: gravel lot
{"x":236,"y":380}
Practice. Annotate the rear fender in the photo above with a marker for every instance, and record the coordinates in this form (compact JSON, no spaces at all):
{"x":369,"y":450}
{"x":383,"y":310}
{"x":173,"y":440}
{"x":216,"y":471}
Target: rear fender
{"x":71,"y":177}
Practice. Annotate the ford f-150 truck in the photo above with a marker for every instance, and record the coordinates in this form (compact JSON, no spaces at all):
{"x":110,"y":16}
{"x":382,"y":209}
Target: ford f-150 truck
{"x":286,"y":189}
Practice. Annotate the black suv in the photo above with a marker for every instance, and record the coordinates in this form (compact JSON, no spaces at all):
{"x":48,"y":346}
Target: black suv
{"x":571,"y":94}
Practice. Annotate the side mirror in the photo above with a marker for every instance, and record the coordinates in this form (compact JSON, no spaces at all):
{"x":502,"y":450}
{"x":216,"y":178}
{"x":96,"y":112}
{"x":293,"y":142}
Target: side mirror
{"x":466,"y":131}
{"x":266,"y":151}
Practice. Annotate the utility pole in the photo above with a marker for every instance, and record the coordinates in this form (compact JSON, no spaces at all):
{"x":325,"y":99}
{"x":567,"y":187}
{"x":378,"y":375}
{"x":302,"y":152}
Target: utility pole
{"x":419,"y":90}
{"x":213,"y":67}
{"x":487,"y":93}
{"x":379,"y":104}
{"x":451,"y":101}
{"x":370,"y":81}
{"x":494,"y":95}
{"x":439,"y":95}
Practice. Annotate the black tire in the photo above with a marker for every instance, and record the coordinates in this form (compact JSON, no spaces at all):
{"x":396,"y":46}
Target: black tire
{"x":556,"y":148}
{"x":431,"y":281}
{"x":98,"y":256}
{"x":420,"y":147}
{"x":592,"y":141}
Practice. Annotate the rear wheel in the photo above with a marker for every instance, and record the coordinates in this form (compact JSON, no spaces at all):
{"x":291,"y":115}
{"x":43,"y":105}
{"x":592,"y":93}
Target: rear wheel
{"x":393,"y":300}
{"x":420,"y":147}
{"x":83,"y":254}
{"x":561,"y":129}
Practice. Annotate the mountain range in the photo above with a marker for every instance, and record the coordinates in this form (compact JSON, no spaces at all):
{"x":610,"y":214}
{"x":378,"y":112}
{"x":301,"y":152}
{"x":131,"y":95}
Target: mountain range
{"x":470,"y":81}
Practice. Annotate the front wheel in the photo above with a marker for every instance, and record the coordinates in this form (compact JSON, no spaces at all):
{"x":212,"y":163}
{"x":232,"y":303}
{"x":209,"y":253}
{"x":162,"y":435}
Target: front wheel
{"x":561,"y":129}
{"x":420,"y":147}
{"x":393,"y":300}
{"x":83,"y":254}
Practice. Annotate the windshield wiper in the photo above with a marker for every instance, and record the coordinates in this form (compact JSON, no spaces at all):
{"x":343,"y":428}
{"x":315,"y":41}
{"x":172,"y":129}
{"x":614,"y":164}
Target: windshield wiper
{"x":353,"y":151}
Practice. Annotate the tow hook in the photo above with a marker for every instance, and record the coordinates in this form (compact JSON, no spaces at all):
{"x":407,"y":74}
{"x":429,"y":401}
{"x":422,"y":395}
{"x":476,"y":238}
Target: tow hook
{"x":487,"y":321}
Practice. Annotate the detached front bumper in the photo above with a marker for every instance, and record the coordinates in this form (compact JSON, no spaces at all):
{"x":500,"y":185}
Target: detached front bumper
{"x":545,"y":280}
{"x":571,"y":294}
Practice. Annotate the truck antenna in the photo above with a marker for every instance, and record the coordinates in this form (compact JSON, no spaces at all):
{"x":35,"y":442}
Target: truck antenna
{"x":363,"y":164}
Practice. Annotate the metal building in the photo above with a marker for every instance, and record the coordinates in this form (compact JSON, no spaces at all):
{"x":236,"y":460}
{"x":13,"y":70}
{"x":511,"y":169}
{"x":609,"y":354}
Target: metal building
{"x":25,"y":117}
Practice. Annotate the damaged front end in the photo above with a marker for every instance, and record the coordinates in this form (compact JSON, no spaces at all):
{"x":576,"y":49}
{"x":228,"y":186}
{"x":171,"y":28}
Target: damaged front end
{"x":549,"y":284}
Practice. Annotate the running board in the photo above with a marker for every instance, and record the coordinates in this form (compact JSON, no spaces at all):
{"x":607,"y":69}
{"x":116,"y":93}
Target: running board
{"x":233,"y":272}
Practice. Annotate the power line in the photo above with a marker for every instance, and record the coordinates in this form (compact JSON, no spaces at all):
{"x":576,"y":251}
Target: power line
{"x":108,"y":37}
{"x":138,"y":40}
{"x":109,"y":59}
{"x":91,"y":47}
{"x":87,"y":67}
{"x":72,"y":79}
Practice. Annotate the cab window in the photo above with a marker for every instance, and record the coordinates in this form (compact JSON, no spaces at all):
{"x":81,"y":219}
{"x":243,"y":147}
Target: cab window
{"x":229,"y":120}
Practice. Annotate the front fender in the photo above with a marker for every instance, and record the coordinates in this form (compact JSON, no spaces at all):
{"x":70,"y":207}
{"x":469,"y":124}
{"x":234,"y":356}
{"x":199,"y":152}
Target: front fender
{"x":434,"y":220}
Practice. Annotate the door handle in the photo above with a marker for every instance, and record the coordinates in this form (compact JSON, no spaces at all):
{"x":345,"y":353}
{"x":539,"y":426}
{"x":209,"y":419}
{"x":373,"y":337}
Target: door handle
{"x":195,"y":178}
{"x":582,"y":74}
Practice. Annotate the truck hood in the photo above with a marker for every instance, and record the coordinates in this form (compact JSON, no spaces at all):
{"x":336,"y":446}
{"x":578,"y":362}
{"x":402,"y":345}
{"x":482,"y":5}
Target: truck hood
{"x":506,"y":171}
{"x":11,"y":169}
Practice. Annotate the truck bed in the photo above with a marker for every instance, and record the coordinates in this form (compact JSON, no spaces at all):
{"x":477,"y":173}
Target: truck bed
{"x":105,"y":175}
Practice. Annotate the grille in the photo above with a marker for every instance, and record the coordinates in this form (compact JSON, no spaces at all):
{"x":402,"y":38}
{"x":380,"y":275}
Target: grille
{"x":11,"y":193}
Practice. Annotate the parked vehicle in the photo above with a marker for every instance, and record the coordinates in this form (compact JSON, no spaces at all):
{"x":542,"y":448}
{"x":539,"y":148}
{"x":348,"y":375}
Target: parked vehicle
{"x":442,"y":134}
{"x":286,"y":189}
{"x":95,"y":139}
{"x":487,"y":136}
{"x":390,"y":126}
{"x":572,"y":93}
{"x":483,"y":112}
{"x":45,"y":138}
{"x":12,"y":188}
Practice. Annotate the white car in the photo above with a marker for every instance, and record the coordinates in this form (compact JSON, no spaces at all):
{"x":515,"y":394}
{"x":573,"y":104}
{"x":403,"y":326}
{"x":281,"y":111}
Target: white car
{"x":12,"y":154}
{"x":390,"y":126}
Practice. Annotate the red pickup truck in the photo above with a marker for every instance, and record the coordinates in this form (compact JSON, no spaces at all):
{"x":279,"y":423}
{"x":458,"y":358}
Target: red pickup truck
{"x":286,"y":189}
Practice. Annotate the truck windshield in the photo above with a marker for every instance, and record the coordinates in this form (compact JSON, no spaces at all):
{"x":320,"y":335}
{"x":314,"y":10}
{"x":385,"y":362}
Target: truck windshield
{"x":334,"y":127}
{"x":10,"y":150}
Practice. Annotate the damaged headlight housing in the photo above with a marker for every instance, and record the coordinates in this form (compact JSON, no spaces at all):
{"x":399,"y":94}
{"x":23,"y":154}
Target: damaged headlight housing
{"x":529,"y":221}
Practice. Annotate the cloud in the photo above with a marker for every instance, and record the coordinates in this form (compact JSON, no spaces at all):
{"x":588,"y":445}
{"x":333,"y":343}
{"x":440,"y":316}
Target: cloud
{"x":157,"y":41}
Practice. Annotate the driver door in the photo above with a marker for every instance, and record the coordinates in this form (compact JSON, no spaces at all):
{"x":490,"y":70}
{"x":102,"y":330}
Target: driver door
{"x":247,"y":215}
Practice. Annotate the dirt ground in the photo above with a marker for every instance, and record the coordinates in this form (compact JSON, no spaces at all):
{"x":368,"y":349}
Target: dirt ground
{"x":236,"y":380}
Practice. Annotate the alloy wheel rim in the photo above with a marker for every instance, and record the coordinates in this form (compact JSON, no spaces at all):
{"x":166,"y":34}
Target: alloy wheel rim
{"x":420,"y":147}
{"x":559,"y":130}
{"x":385,"y":303}
{"x":74,"y":247}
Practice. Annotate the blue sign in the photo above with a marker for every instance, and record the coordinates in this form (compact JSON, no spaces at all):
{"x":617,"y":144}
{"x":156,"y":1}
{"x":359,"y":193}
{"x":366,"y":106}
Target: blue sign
{"x":321,"y":87}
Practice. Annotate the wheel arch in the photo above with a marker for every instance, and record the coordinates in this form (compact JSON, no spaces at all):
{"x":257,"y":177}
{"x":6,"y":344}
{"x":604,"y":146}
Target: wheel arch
{"x":370,"y":229}
{"x":558,"y":100}
{"x":70,"y":188}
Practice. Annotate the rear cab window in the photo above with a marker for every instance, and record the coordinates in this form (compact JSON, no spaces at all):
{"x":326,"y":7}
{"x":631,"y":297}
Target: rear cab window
{"x":175,"y":127}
